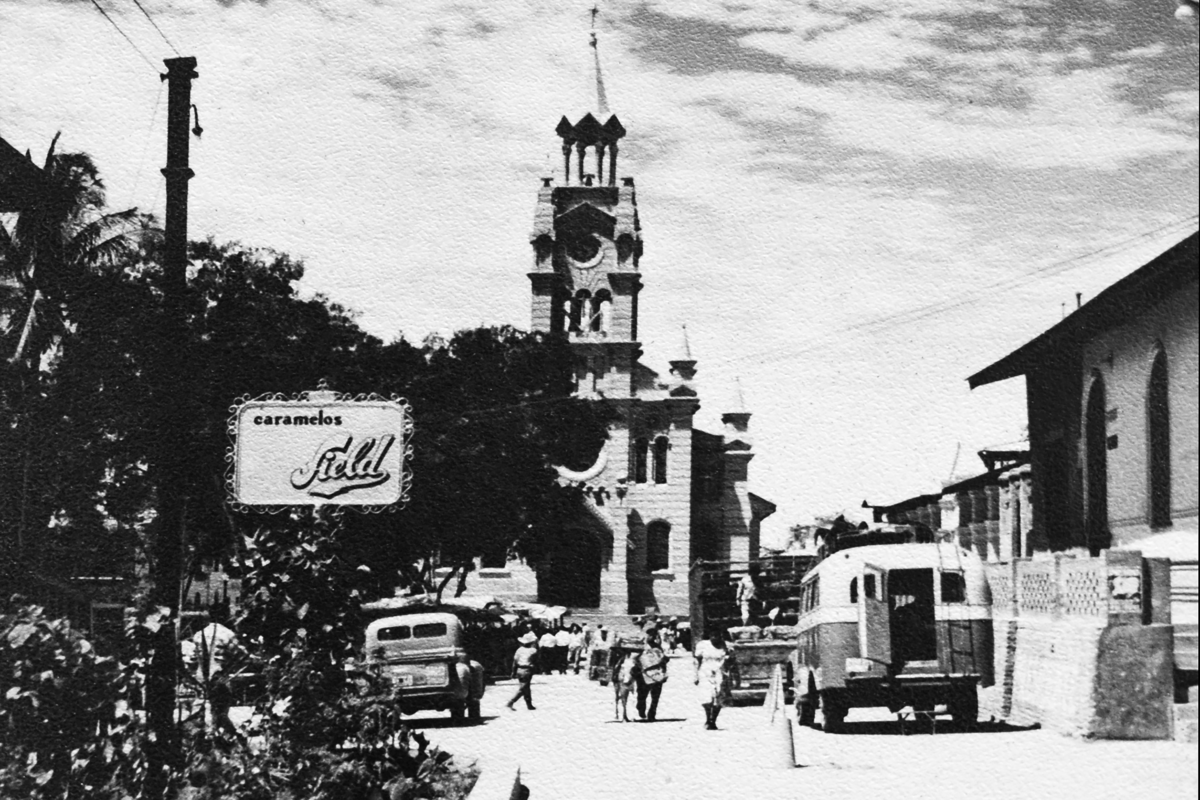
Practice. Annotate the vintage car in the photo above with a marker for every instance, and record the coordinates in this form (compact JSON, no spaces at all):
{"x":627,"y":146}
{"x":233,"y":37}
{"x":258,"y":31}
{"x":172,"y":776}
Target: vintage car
{"x":424,"y":657}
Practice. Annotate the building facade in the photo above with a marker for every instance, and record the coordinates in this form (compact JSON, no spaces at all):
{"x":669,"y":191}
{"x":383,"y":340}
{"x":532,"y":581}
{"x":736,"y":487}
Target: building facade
{"x":660,"y":494}
{"x":1113,"y":400}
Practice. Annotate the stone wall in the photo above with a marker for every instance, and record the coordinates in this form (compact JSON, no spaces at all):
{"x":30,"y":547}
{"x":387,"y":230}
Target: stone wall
{"x":1072,"y":652}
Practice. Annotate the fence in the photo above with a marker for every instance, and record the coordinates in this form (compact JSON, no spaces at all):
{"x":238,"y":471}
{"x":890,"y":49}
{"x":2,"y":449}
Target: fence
{"x":1107,"y":590}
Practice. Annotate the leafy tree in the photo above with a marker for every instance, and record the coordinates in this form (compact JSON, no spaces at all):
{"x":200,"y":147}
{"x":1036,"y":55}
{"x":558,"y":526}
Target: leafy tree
{"x":61,"y":236}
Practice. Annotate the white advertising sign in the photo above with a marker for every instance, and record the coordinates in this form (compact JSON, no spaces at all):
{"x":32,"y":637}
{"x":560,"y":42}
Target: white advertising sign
{"x":319,"y":451}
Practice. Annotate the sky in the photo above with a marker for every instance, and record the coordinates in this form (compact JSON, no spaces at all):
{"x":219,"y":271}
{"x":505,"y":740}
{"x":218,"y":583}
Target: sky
{"x":851,"y":205}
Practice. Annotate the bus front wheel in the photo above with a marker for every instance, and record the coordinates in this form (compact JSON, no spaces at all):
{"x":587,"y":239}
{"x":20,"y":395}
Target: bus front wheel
{"x":834,"y":709}
{"x":806,"y":705}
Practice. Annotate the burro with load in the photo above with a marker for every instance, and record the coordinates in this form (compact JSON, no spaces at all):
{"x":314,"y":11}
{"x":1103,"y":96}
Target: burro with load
{"x":893,"y":625}
{"x":424,"y":657}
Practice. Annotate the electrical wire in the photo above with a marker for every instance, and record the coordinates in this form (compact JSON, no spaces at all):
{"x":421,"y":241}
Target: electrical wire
{"x":146,"y":14}
{"x":941,"y":307}
{"x":145,"y":145}
{"x":124,"y":36}
{"x":881,"y":323}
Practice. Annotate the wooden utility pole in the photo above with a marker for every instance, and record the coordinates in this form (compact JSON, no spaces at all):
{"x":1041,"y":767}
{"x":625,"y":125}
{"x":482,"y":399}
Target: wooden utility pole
{"x":171,"y":370}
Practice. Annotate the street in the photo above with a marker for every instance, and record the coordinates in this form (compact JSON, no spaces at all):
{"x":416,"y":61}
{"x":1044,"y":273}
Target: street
{"x":571,"y":749}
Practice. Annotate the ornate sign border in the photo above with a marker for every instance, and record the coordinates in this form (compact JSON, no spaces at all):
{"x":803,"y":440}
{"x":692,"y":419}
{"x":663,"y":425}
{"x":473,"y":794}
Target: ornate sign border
{"x":320,"y":395}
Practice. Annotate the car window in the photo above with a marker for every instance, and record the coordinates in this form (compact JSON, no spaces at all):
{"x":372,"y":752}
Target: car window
{"x":429,"y":630}
{"x":394,"y":634}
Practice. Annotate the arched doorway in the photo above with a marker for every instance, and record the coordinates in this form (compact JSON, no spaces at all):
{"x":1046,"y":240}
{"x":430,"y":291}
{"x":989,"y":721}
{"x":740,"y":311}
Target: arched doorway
{"x":1158,"y":419}
{"x":570,"y":575}
{"x":1096,"y":455}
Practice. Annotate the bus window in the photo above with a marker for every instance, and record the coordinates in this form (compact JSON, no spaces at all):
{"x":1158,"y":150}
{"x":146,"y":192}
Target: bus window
{"x":816,"y":591}
{"x":854,"y":590}
{"x":954,"y":587}
{"x":869,"y":586}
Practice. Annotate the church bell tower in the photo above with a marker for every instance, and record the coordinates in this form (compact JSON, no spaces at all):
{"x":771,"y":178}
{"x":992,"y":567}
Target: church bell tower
{"x":587,"y":244}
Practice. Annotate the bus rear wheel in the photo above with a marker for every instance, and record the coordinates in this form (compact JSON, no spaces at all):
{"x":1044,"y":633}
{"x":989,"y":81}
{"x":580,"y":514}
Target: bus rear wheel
{"x":964,"y":706}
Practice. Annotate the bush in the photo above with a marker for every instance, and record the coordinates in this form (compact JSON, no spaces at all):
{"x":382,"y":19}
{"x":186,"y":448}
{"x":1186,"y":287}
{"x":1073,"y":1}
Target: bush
{"x":380,"y":760}
{"x":67,"y":725}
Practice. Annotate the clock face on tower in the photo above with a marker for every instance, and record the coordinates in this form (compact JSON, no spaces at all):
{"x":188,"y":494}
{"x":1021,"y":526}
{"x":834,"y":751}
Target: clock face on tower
{"x":582,"y":248}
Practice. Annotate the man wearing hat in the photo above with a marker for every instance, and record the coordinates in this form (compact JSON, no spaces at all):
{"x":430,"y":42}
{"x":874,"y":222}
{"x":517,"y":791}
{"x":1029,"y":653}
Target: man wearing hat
{"x":524,"y":665}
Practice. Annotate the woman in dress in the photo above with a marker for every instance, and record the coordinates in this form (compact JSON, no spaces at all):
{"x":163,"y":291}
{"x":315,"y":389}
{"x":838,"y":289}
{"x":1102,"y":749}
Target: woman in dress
{"x":710,"y":657}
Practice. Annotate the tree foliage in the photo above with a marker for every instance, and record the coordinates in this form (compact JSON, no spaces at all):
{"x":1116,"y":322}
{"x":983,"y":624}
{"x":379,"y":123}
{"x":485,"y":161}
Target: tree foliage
{"x":68,"y":727}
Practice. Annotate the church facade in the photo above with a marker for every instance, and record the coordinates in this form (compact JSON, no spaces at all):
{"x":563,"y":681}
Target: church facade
{"x":660,"y":494}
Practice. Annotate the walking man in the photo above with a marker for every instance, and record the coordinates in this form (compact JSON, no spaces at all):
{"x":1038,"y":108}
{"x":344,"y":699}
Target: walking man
{"x":524,"y":665}
{"x":651,"y":676}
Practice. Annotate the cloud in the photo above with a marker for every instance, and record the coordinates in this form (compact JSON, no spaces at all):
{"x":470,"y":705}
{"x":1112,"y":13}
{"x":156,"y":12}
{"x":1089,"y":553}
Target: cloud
{"x":800,"y":168}
{"x":880,"y":44}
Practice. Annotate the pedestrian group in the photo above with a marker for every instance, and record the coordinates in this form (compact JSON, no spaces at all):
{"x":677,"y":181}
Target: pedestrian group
{"x":637,"y":668}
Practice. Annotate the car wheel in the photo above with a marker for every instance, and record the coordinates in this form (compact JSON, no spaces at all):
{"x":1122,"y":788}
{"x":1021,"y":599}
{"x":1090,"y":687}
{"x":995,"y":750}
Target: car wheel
{"x":457,"y":712}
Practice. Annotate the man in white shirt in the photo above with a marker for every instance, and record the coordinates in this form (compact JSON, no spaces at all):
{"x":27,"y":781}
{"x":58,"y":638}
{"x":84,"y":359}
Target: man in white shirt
{"x":548,"y":649}
{"x":562,"y":645}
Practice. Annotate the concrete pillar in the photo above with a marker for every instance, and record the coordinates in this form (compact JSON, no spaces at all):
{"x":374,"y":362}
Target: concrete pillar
{"x":1031,"y":540}
{"x":948,"y":508}
{"x":992,"y":521}
{"x":1007,"y":509}
{"x":979,"y":516}
{"x":934,"y":510}
{"x":965,"y":516}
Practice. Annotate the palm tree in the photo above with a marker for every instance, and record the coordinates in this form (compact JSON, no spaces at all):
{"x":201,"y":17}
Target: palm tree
{"x":59,"y":236}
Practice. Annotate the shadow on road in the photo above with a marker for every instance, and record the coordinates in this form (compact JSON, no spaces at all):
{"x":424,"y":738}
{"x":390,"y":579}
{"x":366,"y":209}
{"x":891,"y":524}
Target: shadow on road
{"x":445,"y":722}
{"x":915,"y":727}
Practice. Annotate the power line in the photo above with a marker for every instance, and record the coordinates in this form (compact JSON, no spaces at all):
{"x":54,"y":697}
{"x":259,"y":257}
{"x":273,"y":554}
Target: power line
{"x":940,"y":307}
{"x":146,"y":145}
{"x":146,"y":14}
{"x":125,"y":36}
{"x":880,"y":322}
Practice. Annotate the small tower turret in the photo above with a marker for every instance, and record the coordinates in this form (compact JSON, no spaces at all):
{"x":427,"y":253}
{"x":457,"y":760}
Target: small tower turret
{"x":737,"y":419}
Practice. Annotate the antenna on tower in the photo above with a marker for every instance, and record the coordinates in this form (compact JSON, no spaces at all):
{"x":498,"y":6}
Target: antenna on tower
{"x":601,"y":95}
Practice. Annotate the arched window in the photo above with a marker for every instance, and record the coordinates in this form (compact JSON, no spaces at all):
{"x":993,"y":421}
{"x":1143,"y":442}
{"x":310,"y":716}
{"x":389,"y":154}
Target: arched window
{"x":579,"y":310}
{"x":658,"y":545}
{"x":641,"y":450}
{"x":601,"y":311}
{"x":1096,"y":455}
{"x":1158,"y":419}
{"x":660,"y":459}
{"x":560,"y":312}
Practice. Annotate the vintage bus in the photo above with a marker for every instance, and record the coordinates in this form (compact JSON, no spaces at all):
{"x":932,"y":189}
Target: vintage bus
{"x":894,"y":625}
